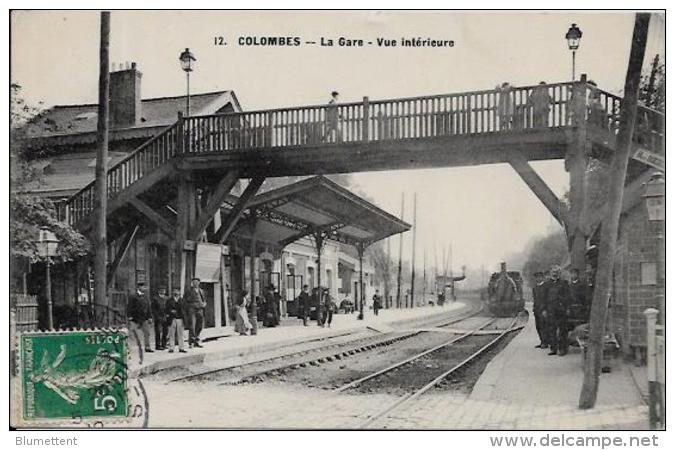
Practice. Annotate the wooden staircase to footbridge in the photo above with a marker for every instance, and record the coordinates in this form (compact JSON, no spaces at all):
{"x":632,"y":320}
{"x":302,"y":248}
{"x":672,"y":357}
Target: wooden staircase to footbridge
{"x":180,"y":178}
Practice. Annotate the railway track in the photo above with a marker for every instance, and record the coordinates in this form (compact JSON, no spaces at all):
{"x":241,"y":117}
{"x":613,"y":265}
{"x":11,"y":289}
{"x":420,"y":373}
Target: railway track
{"x":413,"y":358}
{"x":438,"y":375}
{"x":313,"y":356}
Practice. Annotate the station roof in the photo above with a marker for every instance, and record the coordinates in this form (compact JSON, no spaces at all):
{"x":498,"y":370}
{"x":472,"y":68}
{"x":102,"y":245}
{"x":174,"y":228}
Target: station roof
{"x":315,"y":205}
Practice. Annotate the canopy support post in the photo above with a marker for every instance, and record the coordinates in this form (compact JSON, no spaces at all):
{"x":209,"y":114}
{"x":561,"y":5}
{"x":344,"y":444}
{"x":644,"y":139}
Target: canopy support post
{"x":360,"y":247}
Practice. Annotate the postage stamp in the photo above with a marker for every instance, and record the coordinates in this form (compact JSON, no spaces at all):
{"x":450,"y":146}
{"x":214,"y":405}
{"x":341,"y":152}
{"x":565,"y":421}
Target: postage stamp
{"x":69,"y":374}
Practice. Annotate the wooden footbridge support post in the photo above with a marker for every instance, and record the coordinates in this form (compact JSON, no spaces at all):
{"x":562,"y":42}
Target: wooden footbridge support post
{"x":576,"y":161}
{"x":187,"y":216}
{"x":539,"y":187}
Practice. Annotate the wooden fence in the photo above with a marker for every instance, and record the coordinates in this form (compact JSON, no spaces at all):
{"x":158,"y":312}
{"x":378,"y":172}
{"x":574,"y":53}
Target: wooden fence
{"x":25,"y":308}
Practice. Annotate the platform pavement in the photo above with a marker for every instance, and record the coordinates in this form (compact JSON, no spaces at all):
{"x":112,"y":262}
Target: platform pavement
{"x":225,"y":343}
{"x":523,"y":388}
{"x":528,"y":388}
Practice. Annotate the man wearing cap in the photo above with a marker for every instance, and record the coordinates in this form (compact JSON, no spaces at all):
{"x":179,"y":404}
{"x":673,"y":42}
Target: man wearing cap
{"x":538,"y":298}
{"x":195,"y":302}
{"x":140,"y":313}
{"x":159,"y":318}
{"x":558,"y":296}
{"x":174,"y":316}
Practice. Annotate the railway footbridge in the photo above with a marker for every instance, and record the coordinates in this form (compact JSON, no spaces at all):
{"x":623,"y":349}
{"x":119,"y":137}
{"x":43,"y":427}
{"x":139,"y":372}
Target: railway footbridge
{"x":180,"y":178}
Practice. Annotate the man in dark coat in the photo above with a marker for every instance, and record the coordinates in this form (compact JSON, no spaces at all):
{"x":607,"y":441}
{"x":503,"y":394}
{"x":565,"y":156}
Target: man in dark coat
{"x":269,"y":313}
{"x":538,"y":298}
{"x":140,"y":313}
{"x":540,"y":102}
{"x":558,"y":298}
{"x":303,"y":304}
{"x":195,"y":303}
{"x":377,"y":302}
{"x":159,"y":318}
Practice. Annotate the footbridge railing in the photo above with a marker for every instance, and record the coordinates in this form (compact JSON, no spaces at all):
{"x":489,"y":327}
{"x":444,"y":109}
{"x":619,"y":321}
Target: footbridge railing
{"x":514,"y":108}
{"x":505,"y":109}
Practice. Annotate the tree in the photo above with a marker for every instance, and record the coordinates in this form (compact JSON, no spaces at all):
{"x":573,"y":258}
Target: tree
{"x":545,"y":252}
{"x":610,"y":226}
{"x":29,"y":212}
{"x":383,"y":264}
{"x":652,"y":92}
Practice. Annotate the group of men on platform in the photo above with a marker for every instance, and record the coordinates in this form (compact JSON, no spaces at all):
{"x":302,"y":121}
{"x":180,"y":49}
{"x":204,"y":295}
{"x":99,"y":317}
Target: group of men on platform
{"x":555,"y":300}
{"x":322,"y":300}
{"x":170,"y":315}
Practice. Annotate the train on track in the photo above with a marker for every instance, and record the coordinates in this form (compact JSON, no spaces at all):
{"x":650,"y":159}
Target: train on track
{"x":505,"y":293}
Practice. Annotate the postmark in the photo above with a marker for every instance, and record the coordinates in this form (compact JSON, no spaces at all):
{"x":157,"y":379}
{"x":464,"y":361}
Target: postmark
{"x":73,"y":374}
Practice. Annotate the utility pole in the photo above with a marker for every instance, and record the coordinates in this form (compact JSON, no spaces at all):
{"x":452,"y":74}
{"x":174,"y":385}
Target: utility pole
{"x":387,"y":284}
{"x":101,"y":185}
{"x":435,"y":271}
{"x":452,"y":276}
{"x":610,"y":224}
{"x":445,"y":273}
{"x":412,"y":278}
{"x":424,"y":278}
{"x":400,"y":257}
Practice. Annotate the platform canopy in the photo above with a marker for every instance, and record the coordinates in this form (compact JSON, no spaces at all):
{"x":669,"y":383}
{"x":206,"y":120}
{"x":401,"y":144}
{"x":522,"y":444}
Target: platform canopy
{"x":316,"y":205}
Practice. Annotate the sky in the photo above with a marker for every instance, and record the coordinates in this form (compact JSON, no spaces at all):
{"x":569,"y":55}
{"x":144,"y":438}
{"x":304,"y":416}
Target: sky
{"x":484,"y":212}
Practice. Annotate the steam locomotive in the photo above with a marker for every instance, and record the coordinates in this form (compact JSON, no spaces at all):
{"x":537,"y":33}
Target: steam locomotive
{"x":505,"y":293}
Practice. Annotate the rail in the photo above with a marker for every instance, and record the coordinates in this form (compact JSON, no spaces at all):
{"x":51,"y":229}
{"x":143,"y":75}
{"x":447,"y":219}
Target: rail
{"x":321,"y":353}
{"x":477,"y":112}
{"x":383,"y":413}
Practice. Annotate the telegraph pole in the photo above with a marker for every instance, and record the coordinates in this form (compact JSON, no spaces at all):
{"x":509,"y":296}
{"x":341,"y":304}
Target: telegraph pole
{"x":101,"y":185}
{"x":400,"y":257}
{"x":424,"y":278}
{"x":452,"y":276}
{"x":412,"y":278}
{"x":387,"y":284}
{"x":610,"y":224}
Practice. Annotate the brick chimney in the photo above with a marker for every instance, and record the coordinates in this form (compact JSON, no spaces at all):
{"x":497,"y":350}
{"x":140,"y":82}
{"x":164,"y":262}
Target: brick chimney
{"x":125,"y":97}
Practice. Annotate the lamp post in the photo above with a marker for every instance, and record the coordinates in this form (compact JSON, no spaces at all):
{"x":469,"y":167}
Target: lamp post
{"x":573,"y":37}
{"x":47,"y":245}
{"x":187,"y":62}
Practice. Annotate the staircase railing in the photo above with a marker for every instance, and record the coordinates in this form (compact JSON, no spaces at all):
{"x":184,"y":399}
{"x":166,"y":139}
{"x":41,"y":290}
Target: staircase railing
{"x":146,"y":158}
{"x":605,"y":113}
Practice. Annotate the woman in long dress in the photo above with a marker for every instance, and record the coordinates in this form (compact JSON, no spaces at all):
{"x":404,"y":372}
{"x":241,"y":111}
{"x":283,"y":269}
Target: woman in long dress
{"x":242,"y":324}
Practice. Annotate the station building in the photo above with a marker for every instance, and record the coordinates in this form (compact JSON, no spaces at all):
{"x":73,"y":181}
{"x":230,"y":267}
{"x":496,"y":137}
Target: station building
{"x":274,"y":243}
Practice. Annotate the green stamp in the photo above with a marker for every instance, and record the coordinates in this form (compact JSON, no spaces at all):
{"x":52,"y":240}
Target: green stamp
{"x":74,"y":374}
